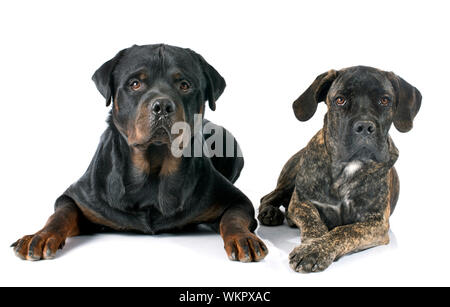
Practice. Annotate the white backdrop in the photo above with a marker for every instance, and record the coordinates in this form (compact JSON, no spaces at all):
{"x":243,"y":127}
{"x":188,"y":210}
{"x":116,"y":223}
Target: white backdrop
{"x":52,"y":117}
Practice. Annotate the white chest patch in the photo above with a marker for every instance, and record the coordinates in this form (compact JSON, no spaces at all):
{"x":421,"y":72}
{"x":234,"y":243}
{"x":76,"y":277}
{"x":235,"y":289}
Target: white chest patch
{"x":352,"y":168}
{"x":342,"y":208}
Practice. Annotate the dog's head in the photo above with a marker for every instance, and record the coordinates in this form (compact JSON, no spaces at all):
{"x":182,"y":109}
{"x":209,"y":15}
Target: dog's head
{"x":362,"y":104}
{"x":153,"y":86}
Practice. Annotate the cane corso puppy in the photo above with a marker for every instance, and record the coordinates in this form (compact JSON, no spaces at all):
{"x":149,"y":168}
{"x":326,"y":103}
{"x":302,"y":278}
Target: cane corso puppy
{"x":135,"y":182}
{"x":341,"y":189}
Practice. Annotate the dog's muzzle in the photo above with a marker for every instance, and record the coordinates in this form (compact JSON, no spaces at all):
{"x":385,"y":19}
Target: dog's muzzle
{"x":163,"y":111}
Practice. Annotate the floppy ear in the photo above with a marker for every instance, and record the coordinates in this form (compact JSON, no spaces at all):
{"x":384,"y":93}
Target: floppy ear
{"x":306,"y":105}
{"x":103,"y":77}
{"x":215,"y":83}
{"x":408,"y":101}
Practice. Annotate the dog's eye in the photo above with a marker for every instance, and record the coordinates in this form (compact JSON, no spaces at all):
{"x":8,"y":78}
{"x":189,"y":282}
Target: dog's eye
{"x":135,"y":85}
{"x":340,"y":101}
{"x":385,"y":100}
{"x":184,"y":86}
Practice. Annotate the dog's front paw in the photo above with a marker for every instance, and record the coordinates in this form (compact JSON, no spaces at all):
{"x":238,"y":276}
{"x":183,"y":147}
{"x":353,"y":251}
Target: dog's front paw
{"x":313,"y":256}
{"x":245,"y":247}
{"x":41,"y":245}
{"x":271,"y":216}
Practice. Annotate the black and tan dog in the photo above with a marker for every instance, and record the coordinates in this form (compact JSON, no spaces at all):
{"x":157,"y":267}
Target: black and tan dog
{"x":342,"y":187}
{"x":134,"y":182}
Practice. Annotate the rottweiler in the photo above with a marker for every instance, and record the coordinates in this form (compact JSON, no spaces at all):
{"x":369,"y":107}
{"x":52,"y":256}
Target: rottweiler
{"x":135,"y":182}
{"x":341,"y":189}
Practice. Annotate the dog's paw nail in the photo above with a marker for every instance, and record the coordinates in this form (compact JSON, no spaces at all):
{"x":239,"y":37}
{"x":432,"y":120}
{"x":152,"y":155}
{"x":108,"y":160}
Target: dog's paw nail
{"x":264,"y":248}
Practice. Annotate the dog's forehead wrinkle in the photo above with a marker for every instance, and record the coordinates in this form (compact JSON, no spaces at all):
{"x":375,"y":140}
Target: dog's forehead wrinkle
{"x":160,"y":56}
{"x":361,"y":80}
{"x":129,"y":70}
{"x":178,"y":72}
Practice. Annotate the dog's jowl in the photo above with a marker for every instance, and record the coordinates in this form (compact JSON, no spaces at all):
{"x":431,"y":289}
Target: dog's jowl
{"x":135,"y":182}
{"x":341,"y":189}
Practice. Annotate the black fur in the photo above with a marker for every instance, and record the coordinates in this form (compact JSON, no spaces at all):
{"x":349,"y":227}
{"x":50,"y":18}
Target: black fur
{"x":152,"y":203}
{"x":134,"y":181}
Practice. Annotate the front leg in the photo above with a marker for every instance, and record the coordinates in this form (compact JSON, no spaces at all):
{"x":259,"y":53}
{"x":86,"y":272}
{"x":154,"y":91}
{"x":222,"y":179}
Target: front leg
{"x":305,"y":215}
{"x":236,"y":228}
{"x":65,"y":222}
{"x":269,"y":212}
{"x":317,"y":254}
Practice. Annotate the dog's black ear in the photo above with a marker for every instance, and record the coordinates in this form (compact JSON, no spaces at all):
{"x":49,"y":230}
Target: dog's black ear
{"x":215,"y":83}
{"x":408,"y":101}
{"x":306,"y":105}
{"x":103,"y":77}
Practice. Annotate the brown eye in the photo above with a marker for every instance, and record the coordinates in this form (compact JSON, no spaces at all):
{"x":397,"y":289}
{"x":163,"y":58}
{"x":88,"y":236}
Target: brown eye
{"x":340,"y":101}
{"x":384,"y":101}
{"x":184,"y":86}
{"x":135,"y":85}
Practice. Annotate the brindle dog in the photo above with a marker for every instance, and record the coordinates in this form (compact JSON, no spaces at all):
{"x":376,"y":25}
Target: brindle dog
{"x":134,"y":182}
{"x":341,"y":189}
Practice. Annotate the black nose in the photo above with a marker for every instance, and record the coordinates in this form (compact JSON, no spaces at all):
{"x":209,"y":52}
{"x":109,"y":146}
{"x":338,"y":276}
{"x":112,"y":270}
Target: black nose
{"x":163,"y":107}
{"x":364,"y":128}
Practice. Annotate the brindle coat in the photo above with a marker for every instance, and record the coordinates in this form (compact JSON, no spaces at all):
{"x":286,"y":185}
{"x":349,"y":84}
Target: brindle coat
{"x":342,"y":187}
